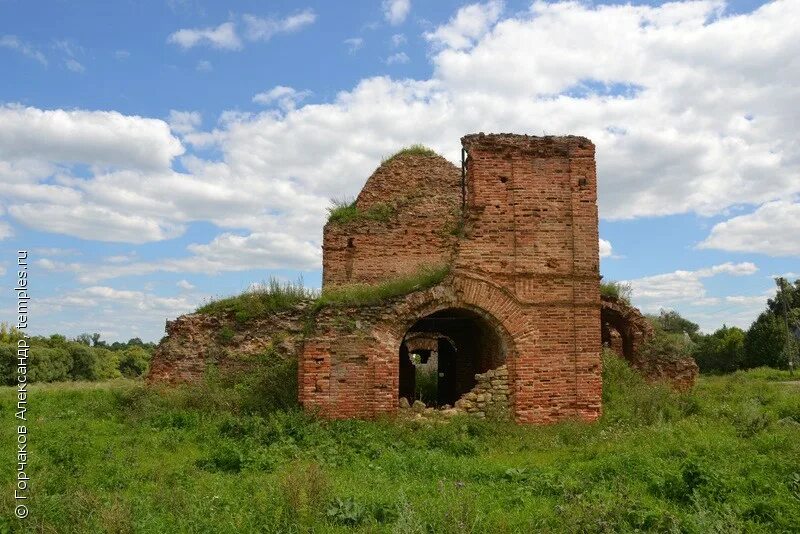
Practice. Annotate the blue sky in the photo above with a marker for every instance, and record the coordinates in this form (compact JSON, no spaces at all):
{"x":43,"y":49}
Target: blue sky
{"x":156,"y":154}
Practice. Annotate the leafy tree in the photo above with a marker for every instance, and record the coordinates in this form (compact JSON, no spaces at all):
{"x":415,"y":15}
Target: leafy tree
{"x":134,"y":362}
{"x":722,"y":351}
{"x":84,"y":339}
{"x":672,"y":322}
{"x":765,"y":341}
{"x":620,"y":290}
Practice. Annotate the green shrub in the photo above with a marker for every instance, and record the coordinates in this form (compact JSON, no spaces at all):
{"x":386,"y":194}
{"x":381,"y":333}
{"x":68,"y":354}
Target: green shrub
{"x":134,"y":362}
{"x":620,"y":290}
{"x":720,"y":352}
{"x":666,"y":346}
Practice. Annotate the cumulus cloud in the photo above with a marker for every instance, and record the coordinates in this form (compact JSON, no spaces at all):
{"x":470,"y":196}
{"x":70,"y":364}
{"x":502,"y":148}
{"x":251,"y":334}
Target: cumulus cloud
{"x":184,"y":122}
{"x":102,"y":306}
{"x":285,"y":97}
{"x":185,"y":285}
{"x":663,"y":289}
{"x":223,"y":36}
{"x":14,"y":43}
{"x":91,"y":137}
{"x":605,"y":248}
{"x":773,"y":229}
{"x":398,"y":39}
{"x":204,"y":66}
{"x":691,"y":111}
{"x":396,"y":11}
{"x":468,"y":25}
{"x":5,"y":230}
{"x":94,"y":222}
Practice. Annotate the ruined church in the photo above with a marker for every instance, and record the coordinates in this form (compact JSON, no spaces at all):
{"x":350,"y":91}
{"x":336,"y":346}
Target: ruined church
{"x":508,"y":306}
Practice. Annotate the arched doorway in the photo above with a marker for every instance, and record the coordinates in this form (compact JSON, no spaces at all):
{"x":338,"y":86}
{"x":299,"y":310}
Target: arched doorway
{"x":441,"y":353}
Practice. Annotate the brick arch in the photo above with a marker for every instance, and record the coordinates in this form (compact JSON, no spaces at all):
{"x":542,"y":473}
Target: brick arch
{"x":633,"y":328}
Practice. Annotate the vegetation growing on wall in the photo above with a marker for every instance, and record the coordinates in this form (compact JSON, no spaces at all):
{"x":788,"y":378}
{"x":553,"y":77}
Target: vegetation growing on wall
{"x":263,"y":299}
{"x":620,"y":290}
{"x":366,"y":294}
{"x":411,"y":150}
{"x":345,"y":211}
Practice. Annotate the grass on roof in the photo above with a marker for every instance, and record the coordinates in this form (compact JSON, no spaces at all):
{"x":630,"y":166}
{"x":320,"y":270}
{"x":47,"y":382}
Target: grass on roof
{"x":345,"y":211}
{"x":273,"y":296}
{"x":412,"y":150}
{"x":366,"y":294}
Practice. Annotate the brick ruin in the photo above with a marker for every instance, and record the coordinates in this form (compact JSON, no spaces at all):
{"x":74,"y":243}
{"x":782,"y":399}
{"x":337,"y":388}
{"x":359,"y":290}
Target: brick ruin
{"x":625,"y":330}
{"x":515,"y":325}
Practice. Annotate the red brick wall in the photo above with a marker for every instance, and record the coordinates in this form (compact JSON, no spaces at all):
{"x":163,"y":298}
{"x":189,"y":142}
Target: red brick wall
{"x":528,"y":262}
{"x":424,"y":192}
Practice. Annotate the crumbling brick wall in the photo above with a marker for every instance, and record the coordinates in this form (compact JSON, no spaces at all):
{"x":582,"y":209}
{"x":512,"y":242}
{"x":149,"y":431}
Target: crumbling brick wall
{"x":525,"y":256}
{"x":625,"y":330}
{"x":421,"y":194}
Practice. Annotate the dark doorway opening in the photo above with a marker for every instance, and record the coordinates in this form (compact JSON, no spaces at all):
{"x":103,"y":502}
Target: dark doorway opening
{"x":442,"y":352}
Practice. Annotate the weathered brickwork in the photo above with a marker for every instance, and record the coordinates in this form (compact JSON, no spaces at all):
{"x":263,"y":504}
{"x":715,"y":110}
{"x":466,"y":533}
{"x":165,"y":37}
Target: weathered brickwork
{"x":422,"y":196}
{"x":519,"y":235}
{"x":195,"y":341}
{"x":625,"y":330}
{"x":524,"y":252}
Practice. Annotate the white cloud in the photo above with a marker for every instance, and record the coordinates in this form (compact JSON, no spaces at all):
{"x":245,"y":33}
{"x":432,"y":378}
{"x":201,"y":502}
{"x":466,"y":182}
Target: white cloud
{"x":285,"y":97}
{"x":13,"y":42}
{"x":90,"y":137}
{"x":184,"y":122}
{"x":396,"y":11}
{"x":400,"y":57}
{"x":773,"y":229}
{"x":354,"y":44}
{"x":185,"y":284}
{"x":2,"y":269}
{"x":93,"y":222}
{"x":263,"y":29}
{"x":707,"y":121}
{"x":204,"y":66}
{"x":122,"y":54}
{"x":103,"y":309}
{"x":5,"y":230}
{"x":225,"y":253}
{"x":398,"y":39}
{"x":661,"y":290}
{"x":223,"y":36}
{"x":469,"y":24}
{"x":605,"y":248}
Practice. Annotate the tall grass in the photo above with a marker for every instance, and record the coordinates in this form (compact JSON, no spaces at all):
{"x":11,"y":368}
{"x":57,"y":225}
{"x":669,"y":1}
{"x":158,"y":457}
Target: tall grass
{"x":274,"y":296}
{"x":122,"y":458}
{"x":345,"y":211}
{"x":366,"y":294}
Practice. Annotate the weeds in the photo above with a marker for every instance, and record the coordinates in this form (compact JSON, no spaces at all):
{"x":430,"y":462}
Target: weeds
{"x":117,"y":456}
{"x":274,"y":296}
{"x":345,"y":211}
{"x":366,"y":294}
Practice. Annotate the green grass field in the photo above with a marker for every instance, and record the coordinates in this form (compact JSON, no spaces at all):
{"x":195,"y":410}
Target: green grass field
{"x":117,"y":457}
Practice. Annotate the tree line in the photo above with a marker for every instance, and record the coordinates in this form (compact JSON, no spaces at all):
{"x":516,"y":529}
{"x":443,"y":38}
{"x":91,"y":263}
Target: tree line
{"x":86,"y":357}
{"x":772,"y":340}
